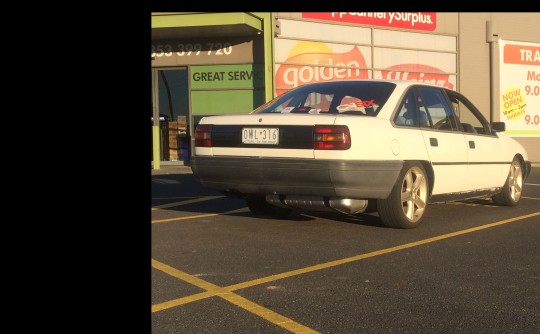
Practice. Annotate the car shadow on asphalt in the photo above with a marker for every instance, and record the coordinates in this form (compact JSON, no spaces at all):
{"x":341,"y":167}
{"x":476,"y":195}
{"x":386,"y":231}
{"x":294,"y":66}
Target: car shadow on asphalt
{"x":367,"y":219}
{"x":170,"y":188}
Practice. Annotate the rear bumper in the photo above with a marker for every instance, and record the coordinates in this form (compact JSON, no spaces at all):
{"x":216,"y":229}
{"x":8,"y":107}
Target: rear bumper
{"x":337,"y":178}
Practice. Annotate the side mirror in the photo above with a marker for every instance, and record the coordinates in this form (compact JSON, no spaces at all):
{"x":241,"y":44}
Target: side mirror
{"x":498,"y":126}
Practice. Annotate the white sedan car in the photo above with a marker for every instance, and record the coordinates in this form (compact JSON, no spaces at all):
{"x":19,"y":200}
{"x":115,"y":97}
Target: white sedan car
{"x":360,"y":146}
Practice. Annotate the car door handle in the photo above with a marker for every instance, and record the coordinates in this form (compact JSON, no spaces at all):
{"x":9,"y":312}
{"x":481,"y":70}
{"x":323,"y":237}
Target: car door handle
{"x":471,"y":144}
{"x":433,"y":142}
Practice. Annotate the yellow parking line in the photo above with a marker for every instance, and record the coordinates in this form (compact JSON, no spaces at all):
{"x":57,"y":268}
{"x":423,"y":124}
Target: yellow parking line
{"x":198,"y":216}
{"x":266,"y":314}
{"x":184,"y":218}
{"x":196,"y":200}
{"x":214,"y":290}
{"x":538,"y":199}
{"x":211,"y":293}
{"x":371,"y":254}
{"x":185,"y":276}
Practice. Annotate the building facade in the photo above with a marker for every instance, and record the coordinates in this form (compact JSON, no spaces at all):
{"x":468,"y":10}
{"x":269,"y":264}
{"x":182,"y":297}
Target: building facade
{"x":222,"y":63}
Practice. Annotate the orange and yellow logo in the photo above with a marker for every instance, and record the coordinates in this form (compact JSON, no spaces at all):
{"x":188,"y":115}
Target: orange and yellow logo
{"x":319,"y":63}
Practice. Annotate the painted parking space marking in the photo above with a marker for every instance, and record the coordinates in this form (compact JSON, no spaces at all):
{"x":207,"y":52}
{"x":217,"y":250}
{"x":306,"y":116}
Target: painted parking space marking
{"x":484,"y":202}
{"x":195,"y":200}
{"x":200,"y":216}
{"x":226,"y":292}
{"x":208,"y":198}
{"x":473,"y":203}
{"x":228,"y":295}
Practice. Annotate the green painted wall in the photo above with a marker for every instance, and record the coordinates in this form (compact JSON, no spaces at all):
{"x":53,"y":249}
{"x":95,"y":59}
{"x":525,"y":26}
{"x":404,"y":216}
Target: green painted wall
{"x":222,"y":89}
{"x":225,"y":101}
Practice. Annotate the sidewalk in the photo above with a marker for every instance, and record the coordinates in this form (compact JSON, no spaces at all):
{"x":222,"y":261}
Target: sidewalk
{"x":171,"y":167}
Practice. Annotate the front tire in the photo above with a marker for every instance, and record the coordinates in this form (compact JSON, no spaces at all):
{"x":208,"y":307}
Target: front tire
{"x":511,"y":191}
{"x":259,"y":207}
{"x":407,"y":203}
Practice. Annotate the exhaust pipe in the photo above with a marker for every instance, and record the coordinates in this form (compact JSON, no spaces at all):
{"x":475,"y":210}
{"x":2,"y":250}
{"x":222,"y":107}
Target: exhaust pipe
{"x":311,"y":203}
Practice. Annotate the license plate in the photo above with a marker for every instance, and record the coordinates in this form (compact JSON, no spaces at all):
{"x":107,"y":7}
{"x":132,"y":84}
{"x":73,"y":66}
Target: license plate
{"x":268,"y":136}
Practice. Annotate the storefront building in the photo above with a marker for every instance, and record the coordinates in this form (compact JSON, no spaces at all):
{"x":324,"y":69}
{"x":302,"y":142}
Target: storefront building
{"x":223,"y":63}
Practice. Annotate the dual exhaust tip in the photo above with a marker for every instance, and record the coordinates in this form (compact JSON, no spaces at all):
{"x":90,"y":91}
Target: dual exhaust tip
{"x":313,"y":203}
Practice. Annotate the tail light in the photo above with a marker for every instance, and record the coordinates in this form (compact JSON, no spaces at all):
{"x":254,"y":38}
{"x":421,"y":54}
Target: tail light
{"x":331,"y":137}
{"x":203,"y":135}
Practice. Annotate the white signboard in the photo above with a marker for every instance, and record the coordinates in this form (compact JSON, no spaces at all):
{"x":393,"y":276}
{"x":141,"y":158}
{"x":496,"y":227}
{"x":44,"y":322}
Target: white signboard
{"x":311,"y":52}
{"x":520,"y":88}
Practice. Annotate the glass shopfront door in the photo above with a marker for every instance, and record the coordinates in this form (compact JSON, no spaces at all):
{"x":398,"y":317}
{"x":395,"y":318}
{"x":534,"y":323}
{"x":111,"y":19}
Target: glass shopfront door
{"x":170,"y":93}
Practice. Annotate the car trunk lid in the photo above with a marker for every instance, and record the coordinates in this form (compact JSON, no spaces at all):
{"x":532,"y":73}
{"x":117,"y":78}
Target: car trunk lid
{"x":259,"y":135}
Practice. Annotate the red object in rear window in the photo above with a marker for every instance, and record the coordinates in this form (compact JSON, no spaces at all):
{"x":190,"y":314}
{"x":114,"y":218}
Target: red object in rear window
{"x":331,"y":137}
{"x":203,"y":135}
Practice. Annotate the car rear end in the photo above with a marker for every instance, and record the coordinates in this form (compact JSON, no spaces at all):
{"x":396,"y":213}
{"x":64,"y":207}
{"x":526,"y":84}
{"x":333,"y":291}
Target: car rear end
{"x":280,"y":154}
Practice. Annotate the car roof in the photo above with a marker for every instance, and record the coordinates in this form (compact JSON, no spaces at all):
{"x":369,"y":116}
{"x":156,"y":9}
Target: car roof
{"x":400,"y":83}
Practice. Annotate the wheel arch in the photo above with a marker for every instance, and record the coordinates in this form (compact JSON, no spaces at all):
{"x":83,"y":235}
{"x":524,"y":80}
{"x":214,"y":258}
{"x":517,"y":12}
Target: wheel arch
{"x":408,"y":200}
{"x":524,"y":165}
{"x":430,"y":174}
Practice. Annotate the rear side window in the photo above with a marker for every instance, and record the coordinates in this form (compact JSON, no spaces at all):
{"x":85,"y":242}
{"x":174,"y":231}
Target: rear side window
{"x":407,"y":114}
{"x":433,"y":103}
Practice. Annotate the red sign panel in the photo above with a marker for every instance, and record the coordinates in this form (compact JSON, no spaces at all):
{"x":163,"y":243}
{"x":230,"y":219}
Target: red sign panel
{"x":521,"y":54}
{"x":419,"y":72}
{"x":406,"y":20}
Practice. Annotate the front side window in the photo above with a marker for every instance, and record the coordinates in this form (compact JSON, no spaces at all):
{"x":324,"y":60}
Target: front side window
{"x":428,"y":108}
{"x":470,"y":121}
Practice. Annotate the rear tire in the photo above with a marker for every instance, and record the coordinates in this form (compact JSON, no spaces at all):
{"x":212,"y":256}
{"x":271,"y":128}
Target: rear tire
{"x":511,"y":191}
{"x":407,"y":203}
{"x":259,"y":207}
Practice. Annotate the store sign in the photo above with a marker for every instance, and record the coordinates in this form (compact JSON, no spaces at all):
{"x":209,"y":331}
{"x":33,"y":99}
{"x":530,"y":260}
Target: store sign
{"x":227,"y":76}
{"x":418,"y":72}
{"x":308,"y":62}
{"x":304,"y":65}
{"x":520,"y":88}
{"x":426,"y":21}
{"x":201,"y":51}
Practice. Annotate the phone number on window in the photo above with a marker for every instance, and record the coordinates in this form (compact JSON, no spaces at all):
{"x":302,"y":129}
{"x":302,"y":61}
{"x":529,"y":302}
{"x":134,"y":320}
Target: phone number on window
{"x":189,"y":49}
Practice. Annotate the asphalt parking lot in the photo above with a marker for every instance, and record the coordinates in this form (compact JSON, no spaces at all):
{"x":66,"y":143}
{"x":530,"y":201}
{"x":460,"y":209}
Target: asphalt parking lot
{"x":470,"y":267}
